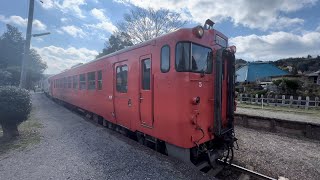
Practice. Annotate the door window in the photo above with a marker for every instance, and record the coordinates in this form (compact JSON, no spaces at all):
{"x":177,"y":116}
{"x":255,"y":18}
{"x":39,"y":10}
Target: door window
{"x":122,"y":79}
{"x":146,"y":74}
{"x":165,"y":59}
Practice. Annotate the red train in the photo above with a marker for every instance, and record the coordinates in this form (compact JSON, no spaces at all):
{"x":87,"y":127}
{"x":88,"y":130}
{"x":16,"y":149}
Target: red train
{"x":175,"y":92}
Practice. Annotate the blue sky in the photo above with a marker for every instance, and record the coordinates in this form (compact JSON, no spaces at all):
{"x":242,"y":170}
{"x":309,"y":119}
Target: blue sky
{"x":261,"y":29}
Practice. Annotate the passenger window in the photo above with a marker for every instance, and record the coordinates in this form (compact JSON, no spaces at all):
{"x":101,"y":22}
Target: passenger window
{"x":82,"y":81}
{"x":65,"y":83}
{"x":122,"y":79}
{"x":92,"y":80}
{"x":69,"y":81}
{"x":100,"y":80}
{"x":146,"y":73}
{"x":165,"y":59}
{"x":75,"y":82}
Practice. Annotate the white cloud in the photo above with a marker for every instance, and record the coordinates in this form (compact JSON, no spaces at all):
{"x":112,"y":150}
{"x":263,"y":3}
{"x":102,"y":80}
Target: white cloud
{"x":72,"y":6}
{"x":104,"y":22}
{"x":276,"y":45}
{"x":262,"y":14}
{"x":99,"y":14}
{"x":64,"y":20}
{"x":74,"y":31}
{"x":19,"y":21}
{"x":59,"y":59}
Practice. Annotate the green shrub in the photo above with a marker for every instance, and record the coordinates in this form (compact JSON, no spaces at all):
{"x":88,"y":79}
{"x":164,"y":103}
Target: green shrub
{"x":15,"y":107}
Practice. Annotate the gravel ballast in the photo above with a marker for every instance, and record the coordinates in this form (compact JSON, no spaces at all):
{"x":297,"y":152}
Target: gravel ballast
{"x":277,"y":155}
{"x":74,"y":148}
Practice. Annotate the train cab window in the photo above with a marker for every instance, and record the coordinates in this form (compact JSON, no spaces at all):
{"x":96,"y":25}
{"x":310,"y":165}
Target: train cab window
{"x":69,"y":81}
{"x":195,"y":58}
{"x":82,"y":81}
{"x":165,"y":59}
{"x":99,"y":80}
{"x":92,"y":80}
{"x":75,"y":82}
{"x":122,"y":79}
{"x":146,"y":73}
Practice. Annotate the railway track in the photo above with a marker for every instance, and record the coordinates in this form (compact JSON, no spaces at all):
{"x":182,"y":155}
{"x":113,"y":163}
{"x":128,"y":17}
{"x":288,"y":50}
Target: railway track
{"x":247,"y":171}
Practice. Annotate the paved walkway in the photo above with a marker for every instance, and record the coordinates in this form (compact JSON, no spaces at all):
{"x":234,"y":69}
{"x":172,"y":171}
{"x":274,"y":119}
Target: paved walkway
{"x":74,"y":148}
{"x":279,"y":115}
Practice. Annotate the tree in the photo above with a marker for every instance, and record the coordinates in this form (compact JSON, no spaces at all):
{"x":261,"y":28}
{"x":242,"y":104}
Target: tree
{"x":144,"y":24}
{"x":11,"y":51}
{"x":116,"y":42}
{"x":11,"y":47}
{"x":15,"y":107}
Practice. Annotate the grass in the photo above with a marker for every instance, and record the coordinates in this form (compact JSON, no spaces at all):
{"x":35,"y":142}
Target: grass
{"x":29,"y":135}
{"x":311,"y":112}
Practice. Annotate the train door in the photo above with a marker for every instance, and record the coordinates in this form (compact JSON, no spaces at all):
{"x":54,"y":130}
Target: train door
{"x":146,"y":92}
{"x":224,"y":91}
{"x":122,"y":101}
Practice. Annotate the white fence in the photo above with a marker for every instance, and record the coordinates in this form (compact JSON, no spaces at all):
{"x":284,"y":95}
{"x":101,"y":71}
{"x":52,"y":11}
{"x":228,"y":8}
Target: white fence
{"x":280,"y":100}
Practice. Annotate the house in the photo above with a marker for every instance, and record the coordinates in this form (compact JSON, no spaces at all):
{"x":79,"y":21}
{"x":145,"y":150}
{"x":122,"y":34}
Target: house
{"x":258,"y":71}
{"x":314,"y":77}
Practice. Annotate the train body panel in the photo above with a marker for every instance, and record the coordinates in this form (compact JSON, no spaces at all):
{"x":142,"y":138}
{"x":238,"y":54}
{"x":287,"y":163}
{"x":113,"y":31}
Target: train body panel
{"x":146,"y":89}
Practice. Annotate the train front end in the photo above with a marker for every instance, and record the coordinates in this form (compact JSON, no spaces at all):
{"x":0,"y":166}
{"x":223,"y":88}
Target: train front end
{"x":205,"y":77}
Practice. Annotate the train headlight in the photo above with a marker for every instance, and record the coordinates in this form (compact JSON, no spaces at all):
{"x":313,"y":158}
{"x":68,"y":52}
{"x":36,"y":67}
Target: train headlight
{"x":198,"y":31}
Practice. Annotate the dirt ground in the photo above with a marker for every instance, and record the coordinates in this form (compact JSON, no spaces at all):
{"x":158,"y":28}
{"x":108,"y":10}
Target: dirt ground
{"x":278,"y":155}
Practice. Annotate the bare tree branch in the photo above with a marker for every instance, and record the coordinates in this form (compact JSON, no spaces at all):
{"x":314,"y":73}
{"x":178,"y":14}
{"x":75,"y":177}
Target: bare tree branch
{"x":144,"y":24}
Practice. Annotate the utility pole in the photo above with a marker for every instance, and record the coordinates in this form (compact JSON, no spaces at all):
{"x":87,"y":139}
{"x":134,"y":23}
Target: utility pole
{"x":25,"y":59}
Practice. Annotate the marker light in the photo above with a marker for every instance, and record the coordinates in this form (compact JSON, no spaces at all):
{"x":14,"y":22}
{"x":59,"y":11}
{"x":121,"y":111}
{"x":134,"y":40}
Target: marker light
{"x":198,"y":31}
{"x":233,"y":49}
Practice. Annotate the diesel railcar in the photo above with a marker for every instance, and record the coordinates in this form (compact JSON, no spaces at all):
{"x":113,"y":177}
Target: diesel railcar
{"x":175,"y":92}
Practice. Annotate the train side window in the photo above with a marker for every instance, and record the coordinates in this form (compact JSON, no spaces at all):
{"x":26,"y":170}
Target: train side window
{"x":65,"y":82}
{"x":75,"y":82}
{"x":165,"y":59}
{"x":92,"y":80}
{"x":82,"y":81}
{"x":122,"y":79}
{"x":69,"y":81}
{"x":99,"y":80}
{"x":146,"y":73}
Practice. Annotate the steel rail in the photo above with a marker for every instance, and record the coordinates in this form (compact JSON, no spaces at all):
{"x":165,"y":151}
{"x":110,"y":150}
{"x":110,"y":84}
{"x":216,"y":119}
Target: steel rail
{"x":247,"y":171}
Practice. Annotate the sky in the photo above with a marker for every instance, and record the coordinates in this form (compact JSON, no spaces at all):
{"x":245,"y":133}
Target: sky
{"x":260,"y":29}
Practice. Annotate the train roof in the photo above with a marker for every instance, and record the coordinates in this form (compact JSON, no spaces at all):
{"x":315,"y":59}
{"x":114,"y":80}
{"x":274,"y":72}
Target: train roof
{"x":146,"y":43}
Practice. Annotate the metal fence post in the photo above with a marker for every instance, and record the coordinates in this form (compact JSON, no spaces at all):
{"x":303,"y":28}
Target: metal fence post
{"x":283,"y":101}
{"x":316,"y":102}
{"x":299,"y":101}
{"x":275,"y":100}
{"x":291,"y":101}
{"x":307,"y":102}
{"x":257,"y":99}
{"x":262,"y":101}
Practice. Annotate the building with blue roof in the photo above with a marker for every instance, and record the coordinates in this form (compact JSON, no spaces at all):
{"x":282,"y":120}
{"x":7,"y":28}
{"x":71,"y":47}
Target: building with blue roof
{"x":258,"y":71}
